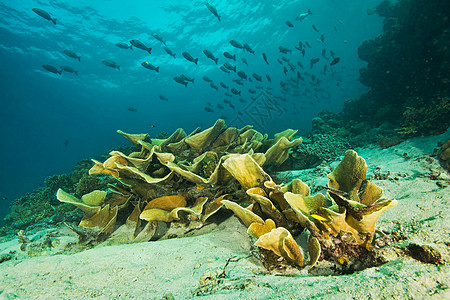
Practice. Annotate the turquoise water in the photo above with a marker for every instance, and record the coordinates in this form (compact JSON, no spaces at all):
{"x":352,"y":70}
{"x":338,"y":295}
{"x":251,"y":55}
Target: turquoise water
{"x":51,"y":121}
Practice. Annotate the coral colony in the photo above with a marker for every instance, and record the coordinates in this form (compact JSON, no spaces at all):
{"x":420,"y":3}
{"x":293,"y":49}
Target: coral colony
{"x":185,"y":179}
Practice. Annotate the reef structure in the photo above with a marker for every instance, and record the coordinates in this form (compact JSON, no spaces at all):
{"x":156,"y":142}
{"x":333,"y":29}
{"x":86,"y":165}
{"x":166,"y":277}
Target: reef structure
{"x":173,"y":186}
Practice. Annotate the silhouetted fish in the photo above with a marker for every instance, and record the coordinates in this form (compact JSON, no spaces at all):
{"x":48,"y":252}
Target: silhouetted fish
{"x":124,"y":46}
{"x":313,"y":61}
{"x":230,"y":67}
{"x":257,"y":77}
{"x":236,"y":44}
{"x":265,"y":58}
{"x":242,"y":75}
{"x":335,"y":61}
{"x":288,"y":23}
{"x":268,"y":78}
{"x":149,"y":66}
{"x":51,"y":69}
{"x":180,"y":80}
{"x":189,"y":57}
{"x":223,"y":85}
{"x":69,"y":69}
{"x":210,"y":56}
{"x":224,"y":69}
{"x":111,"y":64}
{"x":44,"y":14}
{"x":245,"y":61}
{"x":284,"y":50}
{"x":214,"y":86}
{"x":133,"y":109}
{"x":248,"y":49}
{"x":315,"y":28}
{"x":208,"y":109}
{"x":72,"y":54}
{"x":187,"y":78}
{"x":169,"y":51}
{"x":303,"y":16}
{"x":228,"y":55}
{"x":213,"y":10}
{"x":207,"y":79}
{"x":235,"y":91}
{"x":140,"y":45}
{"x":162,"y":97}
{"x":159,"y":38}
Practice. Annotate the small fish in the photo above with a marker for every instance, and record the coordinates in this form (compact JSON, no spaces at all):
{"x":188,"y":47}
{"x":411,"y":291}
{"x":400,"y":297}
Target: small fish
{"x":322,"y":38}
{"x":303,"y":52}
{"x":317,"y":217}
{"x":280,"y":62}
{"x":257,"y":77}
{"x":285,"y":70}
{"x":224,"y":69}
{"x":226,"y":101}
{"x":313,"y":61}
{"x":236,"y":44}
{"x":249,"y":49}
{"x":44,"y":14}
{"x":335,"y":29}
{"x":133,"y":109}
{"x":220,"y":106}
{"x":72,"y":54}
{"x":232,"y":106}
{"x":208,"y":109}
{"x":140,"y":45}
{"x":124,"y":46}
{"x":210,"y":56}
{"x":159,"y":38}
{"x":51,"y":69}
{"x":244,"y":61}
{"x":207,"y":79}
{"x":228,"y":94}
{"x":300,"y":64}
{"x":242,"y":75}
{"x":66,"y":142}
{"x":332,"y":53}
{"x":189,"y":57}
{"x":223,"y":85}
{"x":284,"y":50}
{"x":229,"y":56}
{"x":265,"y":58}
{"x":169,"y":51}
{"x":69,"y":69}
{"x":308,"y":45}
{"x":323,"y":54}
{"x":214,"y":86}
{"x":315,"y":28}
{"x":149,"y":66}
{"x":313,"y":77}
{"x":251,"y":91}
{"x":213,"y":10}
{"x":303,"y":16}
{"x":111,"y":64}
{"x":284,"y":58}
{"x":242,"y":100}
{"x":238,"y":81}
{"x":162,"y":97}
{"x":335,"y":61}
{"x":180,"y":80}
{"x":187,"y":78}
{"x":230,"y":67}
{"x":235,"y":91}
{"x":268,"y":78}
{"x":288,"y":23}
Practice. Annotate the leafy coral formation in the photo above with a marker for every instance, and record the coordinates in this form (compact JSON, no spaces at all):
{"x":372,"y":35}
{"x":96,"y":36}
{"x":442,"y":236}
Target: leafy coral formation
{"x":180,"y":180}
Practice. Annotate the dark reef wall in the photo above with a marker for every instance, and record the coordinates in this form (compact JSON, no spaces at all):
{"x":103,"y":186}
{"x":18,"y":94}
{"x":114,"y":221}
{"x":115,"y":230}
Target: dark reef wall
{"x":408,"y":69}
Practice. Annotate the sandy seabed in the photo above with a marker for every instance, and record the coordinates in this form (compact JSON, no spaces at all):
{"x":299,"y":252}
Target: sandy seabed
{"x":174,"y":268}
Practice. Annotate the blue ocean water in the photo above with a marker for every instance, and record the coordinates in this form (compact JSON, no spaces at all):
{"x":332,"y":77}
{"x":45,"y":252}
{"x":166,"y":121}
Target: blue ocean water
{"x":51,"y":121}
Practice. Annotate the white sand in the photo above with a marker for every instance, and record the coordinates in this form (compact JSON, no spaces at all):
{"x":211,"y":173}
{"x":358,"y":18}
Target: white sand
{"x":173,"y":268}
